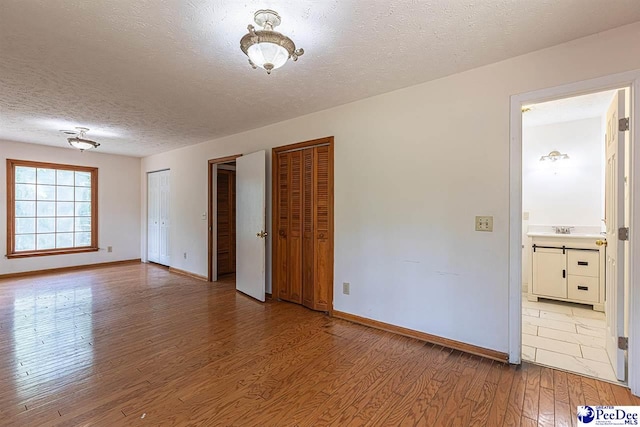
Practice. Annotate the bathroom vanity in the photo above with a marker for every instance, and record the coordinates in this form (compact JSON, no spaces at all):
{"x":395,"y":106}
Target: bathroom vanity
{"x":567,"y":267}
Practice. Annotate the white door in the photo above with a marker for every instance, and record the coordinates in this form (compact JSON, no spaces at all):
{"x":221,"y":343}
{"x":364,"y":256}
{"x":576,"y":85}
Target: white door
{"x":153,"y":223}
{"x":614,"y":218}
{"x":164,"y":218}
{"x":158,"y":194}
{"x":250,"y":224}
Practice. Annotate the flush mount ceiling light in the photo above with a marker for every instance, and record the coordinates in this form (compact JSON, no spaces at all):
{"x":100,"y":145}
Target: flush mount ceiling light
{"x":266,"y":48}
{"x":553,"y":156}
{"x":79,"y":141}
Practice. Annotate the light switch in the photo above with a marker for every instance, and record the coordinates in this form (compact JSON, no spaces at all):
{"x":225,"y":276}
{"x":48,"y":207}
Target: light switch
{"x":484,"y":223}
{"x":204,"y":216}
{"x":525,"y":216}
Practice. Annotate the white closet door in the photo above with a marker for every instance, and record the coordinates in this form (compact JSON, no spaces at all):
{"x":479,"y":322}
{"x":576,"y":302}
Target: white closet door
{"x":164,"y":217}
{"x":152,"y":217}
{"x":158,"y":219}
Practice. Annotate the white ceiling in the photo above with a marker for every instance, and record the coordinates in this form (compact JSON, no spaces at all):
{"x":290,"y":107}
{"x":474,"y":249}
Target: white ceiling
{"x":568,"y":109}
{"x":153,"y":75}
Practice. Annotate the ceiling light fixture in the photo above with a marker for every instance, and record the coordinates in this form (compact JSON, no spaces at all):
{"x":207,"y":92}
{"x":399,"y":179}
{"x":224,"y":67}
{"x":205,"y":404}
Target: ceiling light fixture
{"x":79,"y":141}
{"x":554,"y":155}
{"x":266,"y":48}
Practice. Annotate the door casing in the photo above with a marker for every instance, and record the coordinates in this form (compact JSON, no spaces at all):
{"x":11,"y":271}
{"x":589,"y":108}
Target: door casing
{"x":630,"y":79}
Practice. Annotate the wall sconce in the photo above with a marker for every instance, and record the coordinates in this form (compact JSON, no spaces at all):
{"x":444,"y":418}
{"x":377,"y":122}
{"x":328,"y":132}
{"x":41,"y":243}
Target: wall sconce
{"x":554,"y":155}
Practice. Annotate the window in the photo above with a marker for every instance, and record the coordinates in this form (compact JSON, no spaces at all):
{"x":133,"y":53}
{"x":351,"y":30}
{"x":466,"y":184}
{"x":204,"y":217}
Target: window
{"x":51,"y":209}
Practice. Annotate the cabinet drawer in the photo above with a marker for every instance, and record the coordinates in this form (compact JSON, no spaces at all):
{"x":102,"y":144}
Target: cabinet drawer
{"x":583,"y":263}
{"x":583,"y":288}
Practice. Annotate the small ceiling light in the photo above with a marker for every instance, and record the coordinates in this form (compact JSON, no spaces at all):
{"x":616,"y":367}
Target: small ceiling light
{"x":553,"y":156}
{"x":266,"y":48}
{"x":79,"y":141}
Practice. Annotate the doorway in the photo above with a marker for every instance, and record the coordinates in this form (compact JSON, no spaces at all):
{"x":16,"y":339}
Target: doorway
{"x":221,"y":218}
{"x":620,"y":297}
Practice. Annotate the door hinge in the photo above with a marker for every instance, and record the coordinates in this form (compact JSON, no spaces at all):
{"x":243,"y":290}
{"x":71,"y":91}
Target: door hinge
{"x":623,"y":233}
{"x":623,"y":343}
{"x":623,"y":124}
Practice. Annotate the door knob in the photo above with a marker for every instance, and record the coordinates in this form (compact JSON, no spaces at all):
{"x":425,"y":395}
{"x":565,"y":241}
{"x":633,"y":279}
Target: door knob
{"x":601,"y":243}
{"x":262,"y":234}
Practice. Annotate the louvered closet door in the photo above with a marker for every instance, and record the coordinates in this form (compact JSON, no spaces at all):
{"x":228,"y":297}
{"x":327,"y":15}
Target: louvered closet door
{"x":322,"y":274}
{"x":226,"y":186}
{"x":282,"y":200}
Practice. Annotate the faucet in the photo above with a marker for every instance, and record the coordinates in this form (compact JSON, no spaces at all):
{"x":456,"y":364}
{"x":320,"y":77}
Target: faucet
{"x":562,"y":229}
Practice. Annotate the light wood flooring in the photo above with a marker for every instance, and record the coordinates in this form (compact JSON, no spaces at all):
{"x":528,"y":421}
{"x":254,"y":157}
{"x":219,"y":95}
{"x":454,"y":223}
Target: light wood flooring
{"x":137,"y":345}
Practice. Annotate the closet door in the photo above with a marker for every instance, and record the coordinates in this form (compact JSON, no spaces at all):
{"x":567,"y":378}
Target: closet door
{"x":294,"y":238}
{"x":282,"y":227}
{"x":308,"y":249}
{"x":322,"y":223}
{"x":164,"y":191}
{"x":153,"y":220}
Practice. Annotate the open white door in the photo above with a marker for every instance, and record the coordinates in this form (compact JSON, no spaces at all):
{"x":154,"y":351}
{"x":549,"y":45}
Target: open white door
{"x":250,"y":224}
{"x":614,"y":219}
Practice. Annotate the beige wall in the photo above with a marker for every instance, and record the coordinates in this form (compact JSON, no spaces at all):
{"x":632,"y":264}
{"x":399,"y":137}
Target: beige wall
{"x":118,"y":205}
{"x":412,"y":169}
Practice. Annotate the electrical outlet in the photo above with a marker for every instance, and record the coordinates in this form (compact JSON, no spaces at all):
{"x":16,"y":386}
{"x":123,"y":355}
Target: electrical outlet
{"x":185,"y":255}
{"x":109,"y":248}
{"x":484,"y":223}
{"x":345,"y":288}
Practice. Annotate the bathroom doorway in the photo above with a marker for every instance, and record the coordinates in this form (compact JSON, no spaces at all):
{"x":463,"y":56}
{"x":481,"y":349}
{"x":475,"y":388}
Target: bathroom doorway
{"x":574,"y":199}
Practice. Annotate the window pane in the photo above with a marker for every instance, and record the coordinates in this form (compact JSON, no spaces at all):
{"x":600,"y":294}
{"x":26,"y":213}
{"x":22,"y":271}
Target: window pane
{"x":46,"y":208}
{"x":64,"y":225}
{"x":46,"y":176}
{"x":25,"y":192}
{"x":83,"y":239}
{"x":25,"y":225}
{"x":46,"y":192}
{"x":25,"y":209}
{"x":83,"y":208}
{"x":25,"y":175}
{"x":46,"y":225}
{"x":65,"y":177}
{"x":83,"y":223}
{"x":83,"y":194}
{"x":64,"y":240}
{"x":26,"y":242}
{"x":65,"y":209}
{"x":46,"y":241}
{"x":83,"y":179}
{"x":65,"y":194}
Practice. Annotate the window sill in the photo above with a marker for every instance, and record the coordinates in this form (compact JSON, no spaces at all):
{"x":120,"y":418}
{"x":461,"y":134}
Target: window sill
{"x":51,"y":252}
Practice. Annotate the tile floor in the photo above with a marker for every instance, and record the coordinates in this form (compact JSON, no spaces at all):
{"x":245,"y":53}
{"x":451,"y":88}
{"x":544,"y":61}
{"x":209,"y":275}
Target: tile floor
{"x":565,"y":336}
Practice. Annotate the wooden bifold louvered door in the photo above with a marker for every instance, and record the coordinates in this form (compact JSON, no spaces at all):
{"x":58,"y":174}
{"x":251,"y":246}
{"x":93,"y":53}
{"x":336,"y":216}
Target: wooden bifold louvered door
{"x":226,"y":221}
{"x":303,"y":224}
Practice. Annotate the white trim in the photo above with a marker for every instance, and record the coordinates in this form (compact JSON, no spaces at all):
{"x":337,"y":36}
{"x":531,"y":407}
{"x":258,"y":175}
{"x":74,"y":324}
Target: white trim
{"x":614,"y":81}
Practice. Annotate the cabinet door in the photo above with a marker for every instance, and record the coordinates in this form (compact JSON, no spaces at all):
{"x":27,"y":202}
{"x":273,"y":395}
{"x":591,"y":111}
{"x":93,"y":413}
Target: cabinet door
{"x":550,"y":273}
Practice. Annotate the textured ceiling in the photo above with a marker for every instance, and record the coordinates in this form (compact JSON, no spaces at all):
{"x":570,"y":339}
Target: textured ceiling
{"x":153,"y":75}
{"x":568,"y":109}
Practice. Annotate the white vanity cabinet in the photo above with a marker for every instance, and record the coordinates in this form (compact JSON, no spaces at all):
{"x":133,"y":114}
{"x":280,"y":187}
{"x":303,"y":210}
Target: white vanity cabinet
{"x":567,"y":268}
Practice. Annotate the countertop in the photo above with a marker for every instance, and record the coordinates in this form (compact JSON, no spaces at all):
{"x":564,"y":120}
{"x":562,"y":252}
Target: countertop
{"x":566,"y":236}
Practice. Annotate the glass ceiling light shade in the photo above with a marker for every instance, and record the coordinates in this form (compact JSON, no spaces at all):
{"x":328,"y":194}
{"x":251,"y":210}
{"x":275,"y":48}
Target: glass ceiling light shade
{"x":554,"y":155}
{"x":266,"y":48}
{"x":79,"y":141}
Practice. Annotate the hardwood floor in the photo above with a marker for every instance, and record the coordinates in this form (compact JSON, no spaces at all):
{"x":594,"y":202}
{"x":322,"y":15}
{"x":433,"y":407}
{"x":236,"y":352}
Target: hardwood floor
{"x":137,"y":345}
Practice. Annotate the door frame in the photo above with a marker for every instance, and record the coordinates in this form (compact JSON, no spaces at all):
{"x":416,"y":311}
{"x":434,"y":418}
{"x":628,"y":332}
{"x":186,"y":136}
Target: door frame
{"x":630,"y":79}
{"x":274,"y":207}
{"x":212,"y":229}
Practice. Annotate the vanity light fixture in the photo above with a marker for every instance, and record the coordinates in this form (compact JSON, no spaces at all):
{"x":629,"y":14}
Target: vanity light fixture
{"x":266,"y":48}
{"x":554,"y":155}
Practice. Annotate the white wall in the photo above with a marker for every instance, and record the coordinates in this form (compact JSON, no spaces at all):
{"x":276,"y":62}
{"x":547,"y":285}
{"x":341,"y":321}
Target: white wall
{"x":565,"y":192}
{"x":118,"y":205}
{"x":412,"y":169}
